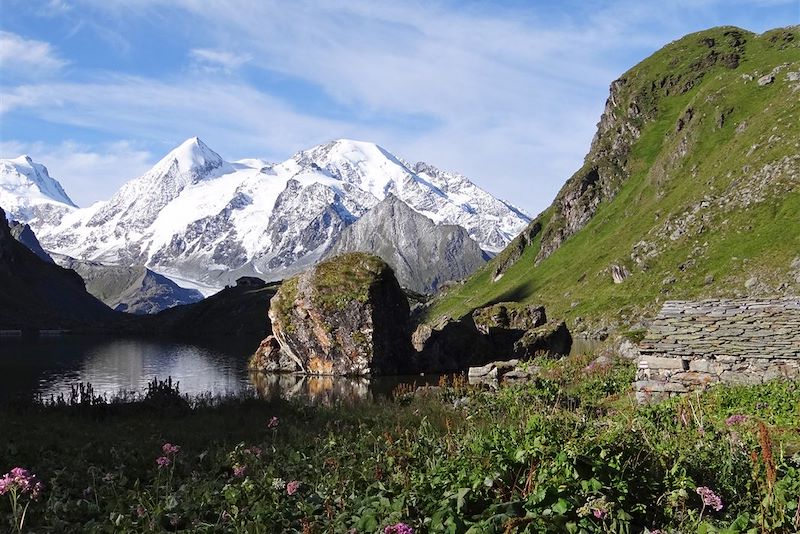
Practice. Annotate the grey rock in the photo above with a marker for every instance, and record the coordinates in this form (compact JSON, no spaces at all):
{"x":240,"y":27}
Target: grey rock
{"x":619,"y":273}
{"x":422,"y":254}
{"x":766,"y":80}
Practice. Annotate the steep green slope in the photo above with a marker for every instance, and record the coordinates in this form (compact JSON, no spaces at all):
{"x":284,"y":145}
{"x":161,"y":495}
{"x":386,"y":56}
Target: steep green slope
{"x":692,"y":185}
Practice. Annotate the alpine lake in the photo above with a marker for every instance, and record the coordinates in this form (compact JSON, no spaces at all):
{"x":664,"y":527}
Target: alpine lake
{"x":49,"y":366}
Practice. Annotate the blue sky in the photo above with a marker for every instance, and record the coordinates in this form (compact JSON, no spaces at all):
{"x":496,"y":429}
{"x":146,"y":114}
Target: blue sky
{"x":507,"y":93}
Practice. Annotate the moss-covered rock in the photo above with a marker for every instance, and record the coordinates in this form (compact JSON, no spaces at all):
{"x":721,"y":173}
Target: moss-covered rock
{"x":346,"y":316}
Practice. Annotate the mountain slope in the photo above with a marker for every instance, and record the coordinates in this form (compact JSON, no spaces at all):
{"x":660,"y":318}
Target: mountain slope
{"x":197,"y":218}
{"x":38,"y":294}
{"x":23,"y":233}
{"x":691,"y":188}
{"x":134,"y":289}
{"x":422,"y":254}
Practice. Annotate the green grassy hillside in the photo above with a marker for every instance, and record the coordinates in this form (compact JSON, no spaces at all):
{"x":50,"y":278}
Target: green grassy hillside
{"x":692,"y":185}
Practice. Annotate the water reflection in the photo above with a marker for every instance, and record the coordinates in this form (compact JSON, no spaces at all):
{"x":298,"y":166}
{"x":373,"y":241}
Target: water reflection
{"x":315,"y":390}
{"x":50,"y":366}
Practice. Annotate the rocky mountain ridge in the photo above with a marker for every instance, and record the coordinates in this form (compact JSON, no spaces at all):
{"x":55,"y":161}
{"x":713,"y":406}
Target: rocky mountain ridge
{"x":205,"y":222}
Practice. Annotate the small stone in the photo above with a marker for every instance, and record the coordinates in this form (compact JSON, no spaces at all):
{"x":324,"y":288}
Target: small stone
{"x":766,"y":80}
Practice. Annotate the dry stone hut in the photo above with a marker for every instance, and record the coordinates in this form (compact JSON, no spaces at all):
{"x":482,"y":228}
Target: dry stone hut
{"x":692,"y":345}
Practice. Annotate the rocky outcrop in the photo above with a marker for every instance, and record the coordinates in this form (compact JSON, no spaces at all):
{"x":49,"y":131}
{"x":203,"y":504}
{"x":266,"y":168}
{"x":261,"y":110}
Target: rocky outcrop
{"x":346,"y":316}
{"x":498,"y":332}
{"x":550,"y":338}
{"x":424,"y":255}
{"x":692,"y":345}
{"x":504,"y":316}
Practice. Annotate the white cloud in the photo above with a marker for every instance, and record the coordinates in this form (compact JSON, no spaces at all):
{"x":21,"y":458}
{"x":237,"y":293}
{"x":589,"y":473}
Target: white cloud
{"x":27,"y":58}
{"x":88,"y":173}
{"x":217,"y":60}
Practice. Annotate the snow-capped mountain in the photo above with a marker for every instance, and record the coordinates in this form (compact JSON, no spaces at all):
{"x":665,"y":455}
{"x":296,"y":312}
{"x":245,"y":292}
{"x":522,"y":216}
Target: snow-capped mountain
{"x":197,"y":218}
{"x":28,"y":193}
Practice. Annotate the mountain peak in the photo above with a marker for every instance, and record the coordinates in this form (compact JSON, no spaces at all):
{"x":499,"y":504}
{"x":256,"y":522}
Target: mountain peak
{"x":192,"y":154}
{"x":26,"y":178}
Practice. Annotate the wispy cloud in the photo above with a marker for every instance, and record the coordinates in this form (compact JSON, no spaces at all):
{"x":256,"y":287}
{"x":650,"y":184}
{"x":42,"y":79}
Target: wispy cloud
{"x":27,"y":58}
{"x":217,"y":60}
{"x":507,"y":93}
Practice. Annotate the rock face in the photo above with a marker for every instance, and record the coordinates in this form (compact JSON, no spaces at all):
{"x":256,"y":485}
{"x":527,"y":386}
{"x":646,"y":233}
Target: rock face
{"x":498,"y":332}
{"x":694,"y":344}
{"x":134,"y":289}
{"x":422,"y":254}
{"x":38,"y":294}
{"x":269,"y":358}
{"x":346,"y":316}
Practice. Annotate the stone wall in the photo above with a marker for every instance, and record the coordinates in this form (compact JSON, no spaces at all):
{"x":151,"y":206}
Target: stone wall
{"x":691,"y":345}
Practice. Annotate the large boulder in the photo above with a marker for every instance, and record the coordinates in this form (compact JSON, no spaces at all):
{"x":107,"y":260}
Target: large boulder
{"x":346,"y":316}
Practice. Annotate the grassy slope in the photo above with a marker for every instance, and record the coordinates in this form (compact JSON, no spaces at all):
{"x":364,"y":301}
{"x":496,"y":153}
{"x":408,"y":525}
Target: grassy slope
{"x":761,"y":239}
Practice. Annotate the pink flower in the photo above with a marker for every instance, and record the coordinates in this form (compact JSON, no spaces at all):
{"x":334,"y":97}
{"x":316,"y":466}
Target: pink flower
{"x":141,"y":511}
{"x":273,"y":423}
{"x":598,"y":513}
{"x":735,"y":419}
{"x":22,"y":481}
{"x":292,"y":487}
{"x":169,"y":448}
{"x":163,"y":461}
{"x":239,"y":471}
{"x":710,"y":498}
{"x":398,"y":528}
{"x":255,"y":451}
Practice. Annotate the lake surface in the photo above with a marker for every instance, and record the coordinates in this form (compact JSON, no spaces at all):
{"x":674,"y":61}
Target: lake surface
{"x":52,"y":365}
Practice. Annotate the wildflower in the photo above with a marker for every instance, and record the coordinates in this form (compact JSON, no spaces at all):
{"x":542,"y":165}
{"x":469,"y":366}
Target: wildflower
{"x":141,"y":511}
{"x":398,"y":528}
{"x":21,"y":481}
{"x":735,"y":419}
{"x":278,"y":484}
{"x":255,"y":451}
{"x":292,"y":487}
{"x":710,"y":498}
{"x":598,"y":513}
{"x":273,"y":423}
{"x":169,"y":448}
{"x":239,"y":471}
{"x":163,"y":461}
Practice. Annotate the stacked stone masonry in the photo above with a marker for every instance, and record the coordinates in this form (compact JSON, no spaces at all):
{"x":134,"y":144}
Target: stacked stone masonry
{"x":694,"y":344}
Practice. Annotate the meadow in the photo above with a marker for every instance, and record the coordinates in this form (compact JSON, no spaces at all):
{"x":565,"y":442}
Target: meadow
{"x":568,"y":452}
